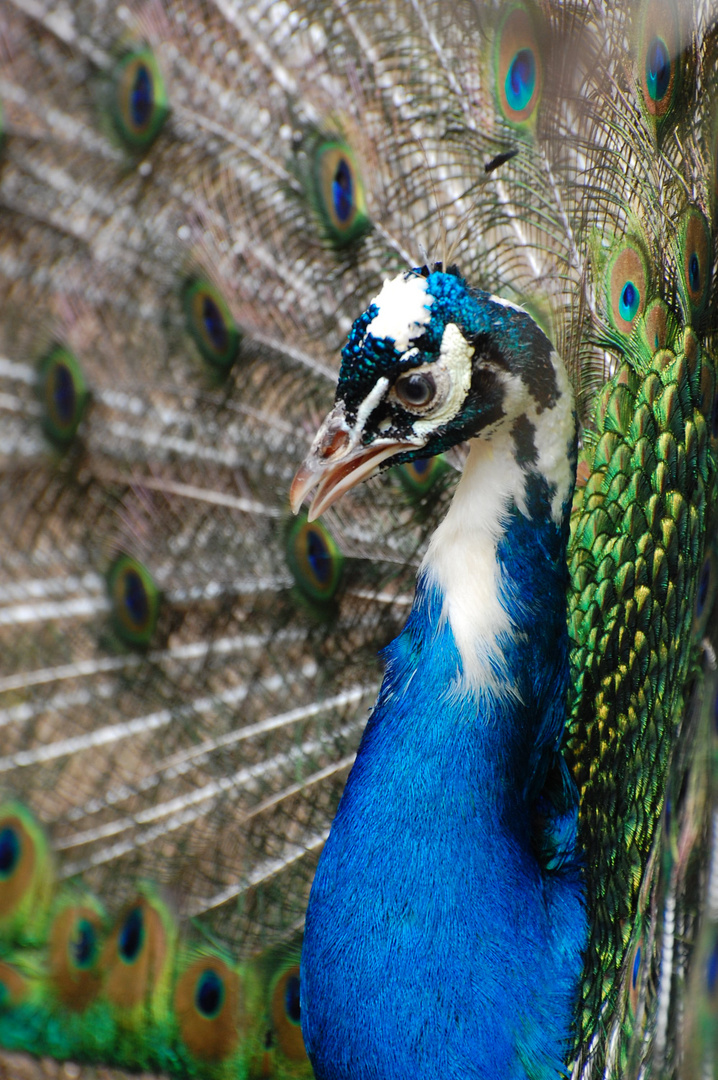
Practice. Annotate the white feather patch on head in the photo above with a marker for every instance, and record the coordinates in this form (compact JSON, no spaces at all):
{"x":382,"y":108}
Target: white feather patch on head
{"x":403,"y":304}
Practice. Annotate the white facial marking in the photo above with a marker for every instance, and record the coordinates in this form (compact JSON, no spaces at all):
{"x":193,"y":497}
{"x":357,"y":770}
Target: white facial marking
{"x":403,"y":304}
{"x":455,"y":362}
{"x":370,"y":402}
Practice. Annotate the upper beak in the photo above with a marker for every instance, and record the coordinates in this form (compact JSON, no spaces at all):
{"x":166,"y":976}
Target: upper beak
{"x":338,"y":461}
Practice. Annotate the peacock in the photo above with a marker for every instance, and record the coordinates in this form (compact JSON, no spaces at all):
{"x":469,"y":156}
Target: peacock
{"x":198,"y":200}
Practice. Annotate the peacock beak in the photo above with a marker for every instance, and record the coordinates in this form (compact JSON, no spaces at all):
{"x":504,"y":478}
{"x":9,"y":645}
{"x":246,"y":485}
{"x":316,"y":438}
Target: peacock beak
{"x":338,"y":461}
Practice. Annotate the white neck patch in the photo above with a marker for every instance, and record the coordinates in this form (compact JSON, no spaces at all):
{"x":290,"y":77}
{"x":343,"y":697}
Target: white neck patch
{"x":461,"y":559}
{"x":404,"y":307}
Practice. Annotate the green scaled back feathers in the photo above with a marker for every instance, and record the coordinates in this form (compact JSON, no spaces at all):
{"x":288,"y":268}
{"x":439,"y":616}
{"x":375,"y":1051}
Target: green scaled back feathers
{"x":196,"y":200}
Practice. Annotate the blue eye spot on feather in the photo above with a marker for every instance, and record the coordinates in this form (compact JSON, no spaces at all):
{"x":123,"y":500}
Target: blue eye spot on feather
{"x":135,"y":597}
{"x":135,"y":600}
{"x":518,"y":70}
{"x":141,"y":96}
{"x":658,"y":69}
{"x":138,"y":105}
{"x":214,"y":325}
{"x":83,"y":944}
{"x":291,"y":999}
{"x":314,"y":560}
{"x":337,"y":192}
{"x":207,"y":1004}
{"x":342,"y":189}
{"x":418,"y":477}
{"x":521,"y":80}
{"x":74,"y":950}
{"x":9,"y":852}
{"x":285,"y":1014}
{"x":636,"y":968}
{"x":209,"y":996}
{"x":630,"y":299}
{"x":131,"y":936}
{"x":210,"y":324}
{"x":658,"y":66}
{"x":63,"y":393}
{"x":696,"y":258}
{"x":627,"y":277}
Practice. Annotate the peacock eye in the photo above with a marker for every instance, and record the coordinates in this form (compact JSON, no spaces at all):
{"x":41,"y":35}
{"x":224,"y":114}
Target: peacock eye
{"x":416,"y":391}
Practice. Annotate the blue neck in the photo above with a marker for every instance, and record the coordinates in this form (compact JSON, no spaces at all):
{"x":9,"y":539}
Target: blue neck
{"x":445,"y":928}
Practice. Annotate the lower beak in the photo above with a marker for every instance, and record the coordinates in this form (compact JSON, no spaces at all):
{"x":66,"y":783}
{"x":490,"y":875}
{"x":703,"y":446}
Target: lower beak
{"x":336,"y":463}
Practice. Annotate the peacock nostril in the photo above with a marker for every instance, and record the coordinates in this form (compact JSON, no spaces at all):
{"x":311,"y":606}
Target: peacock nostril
{"x":338,"y":442}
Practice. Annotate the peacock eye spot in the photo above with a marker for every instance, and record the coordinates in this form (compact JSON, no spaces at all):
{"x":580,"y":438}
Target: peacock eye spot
{"x":141,"y":96}
{"x":211,"y":325}
{"x":291,"y":999}
{"x":131,"y":936}
{"x":139,"y":105}
{"x":83,"y":944}
{"x":63,"y":393}
{"x":343,"y":191}
{"x":694,"y":272}
{"x":214,"y":323}
{"x":9,"y":851}
{"x":209,"y":995}
{"x":521,"y":79}
{"x":658,"y":69}
{"x":636,"y":968}
{"x":314,"y":560}
{"x":416,"y":391}
{"x":630,"y":299}
{"x":338,"y":193}
{"x":136,"y":597}
{"x":319,"y":556}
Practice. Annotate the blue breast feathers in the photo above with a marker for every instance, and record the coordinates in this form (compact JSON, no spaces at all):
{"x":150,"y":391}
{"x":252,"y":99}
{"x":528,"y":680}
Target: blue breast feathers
{"x":446,"y":923}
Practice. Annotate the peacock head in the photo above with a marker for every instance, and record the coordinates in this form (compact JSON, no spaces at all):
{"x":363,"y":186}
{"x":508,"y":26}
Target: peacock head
{"x":431,"y":363}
